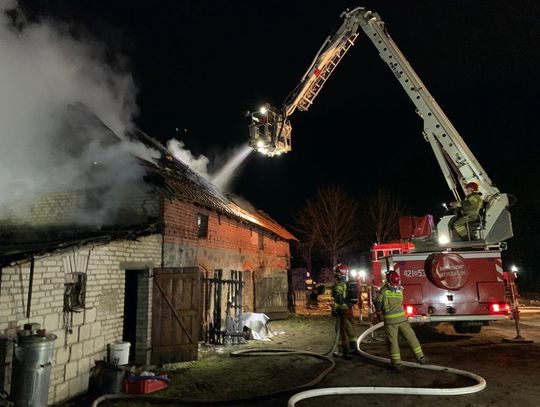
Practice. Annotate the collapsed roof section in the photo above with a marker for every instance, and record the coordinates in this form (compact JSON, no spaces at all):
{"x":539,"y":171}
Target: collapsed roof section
{"x":172,"y":178}
{"x":177,"y":180}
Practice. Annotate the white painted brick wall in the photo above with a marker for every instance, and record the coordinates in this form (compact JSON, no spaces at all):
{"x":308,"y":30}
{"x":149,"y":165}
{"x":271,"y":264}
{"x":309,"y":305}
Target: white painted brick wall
{"x":58,"y":208}
{"x":101,"y":323}
{"x":71,"y":370}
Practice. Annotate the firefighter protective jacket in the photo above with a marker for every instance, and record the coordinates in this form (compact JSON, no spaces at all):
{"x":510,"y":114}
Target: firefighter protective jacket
{"x":389,"y":300}
{"x":472,"y":204}
{"x":340,"y":295}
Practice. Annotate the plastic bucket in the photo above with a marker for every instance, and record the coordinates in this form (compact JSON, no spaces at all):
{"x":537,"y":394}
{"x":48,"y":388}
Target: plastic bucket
{"x":119,"y":353}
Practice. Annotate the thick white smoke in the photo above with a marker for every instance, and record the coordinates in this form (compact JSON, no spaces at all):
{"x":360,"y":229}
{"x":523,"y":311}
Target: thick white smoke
{"x":59,"y":102}
{"x":180,"y":152}
{"x":220,"y":171}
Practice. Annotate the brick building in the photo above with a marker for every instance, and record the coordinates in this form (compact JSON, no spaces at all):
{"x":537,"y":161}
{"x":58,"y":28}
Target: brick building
{"x":141,"y":279}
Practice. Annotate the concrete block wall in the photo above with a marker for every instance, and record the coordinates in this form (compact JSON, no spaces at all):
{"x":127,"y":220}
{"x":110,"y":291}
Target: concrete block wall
{"x":100,"y":324}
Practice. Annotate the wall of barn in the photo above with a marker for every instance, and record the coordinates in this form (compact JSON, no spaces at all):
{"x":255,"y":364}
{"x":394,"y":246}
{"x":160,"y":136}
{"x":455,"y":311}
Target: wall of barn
{"x":78,"y":206}
{"x":100,"y":324}
{"x":229,"y":245}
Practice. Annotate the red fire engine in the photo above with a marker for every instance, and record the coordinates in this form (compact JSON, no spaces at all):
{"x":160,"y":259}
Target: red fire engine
{"x":467,"y":289}
{"x":444,"y":279}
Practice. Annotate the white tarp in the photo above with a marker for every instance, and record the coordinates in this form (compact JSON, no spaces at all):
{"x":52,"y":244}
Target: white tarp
{"x":258,"y":323}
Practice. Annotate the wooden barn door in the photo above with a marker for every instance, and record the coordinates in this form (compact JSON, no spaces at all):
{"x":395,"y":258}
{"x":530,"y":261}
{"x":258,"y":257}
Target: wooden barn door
{"x":271,"y":296}
{"x":175,"y":314}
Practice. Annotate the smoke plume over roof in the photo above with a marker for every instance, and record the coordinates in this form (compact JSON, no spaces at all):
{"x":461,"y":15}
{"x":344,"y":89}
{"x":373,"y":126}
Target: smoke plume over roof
{"x":63,"y":116}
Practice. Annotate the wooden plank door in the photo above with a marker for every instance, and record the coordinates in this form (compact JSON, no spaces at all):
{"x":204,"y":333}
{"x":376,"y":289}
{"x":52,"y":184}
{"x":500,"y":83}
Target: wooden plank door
{"x":271,"y":296}
{"x":175,"y":315}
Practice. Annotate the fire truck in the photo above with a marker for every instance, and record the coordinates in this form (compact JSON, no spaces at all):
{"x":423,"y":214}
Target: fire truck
{"x":462,"y":282}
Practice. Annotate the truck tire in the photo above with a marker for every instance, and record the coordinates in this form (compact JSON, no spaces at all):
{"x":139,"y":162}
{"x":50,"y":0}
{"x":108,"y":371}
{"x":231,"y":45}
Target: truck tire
{"x":461,"y":328}
{"x":464,"y":328}
{"x":475,"y":329}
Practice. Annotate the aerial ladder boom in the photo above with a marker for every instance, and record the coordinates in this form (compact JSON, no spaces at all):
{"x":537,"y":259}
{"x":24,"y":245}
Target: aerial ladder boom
{"x":453,"y":155}
{"x":457,"y":162}
{"x":270,"y":129}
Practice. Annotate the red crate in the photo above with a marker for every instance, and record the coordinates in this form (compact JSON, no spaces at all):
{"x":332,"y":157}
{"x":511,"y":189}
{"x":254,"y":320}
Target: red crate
{"x":143,"y":386}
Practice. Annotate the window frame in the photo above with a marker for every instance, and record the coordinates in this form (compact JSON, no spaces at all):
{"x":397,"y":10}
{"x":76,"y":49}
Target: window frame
{"x":202,"y":225}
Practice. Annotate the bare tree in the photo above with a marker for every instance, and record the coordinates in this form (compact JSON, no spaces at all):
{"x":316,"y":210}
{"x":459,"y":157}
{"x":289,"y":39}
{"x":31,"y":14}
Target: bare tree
{"x":382,"y":215}
{"x":330,"y":222}
{"x":308,"y":237}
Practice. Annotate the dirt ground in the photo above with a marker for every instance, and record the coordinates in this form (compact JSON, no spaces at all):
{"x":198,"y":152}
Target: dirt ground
{"x":512,"y":370}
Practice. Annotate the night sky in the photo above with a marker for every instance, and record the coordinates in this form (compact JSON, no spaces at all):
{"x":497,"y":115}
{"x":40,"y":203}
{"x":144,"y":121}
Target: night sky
{"x":199,"y":65}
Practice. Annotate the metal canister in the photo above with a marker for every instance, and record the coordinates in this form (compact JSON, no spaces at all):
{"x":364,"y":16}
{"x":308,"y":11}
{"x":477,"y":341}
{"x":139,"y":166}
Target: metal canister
{"x":32,"y":357}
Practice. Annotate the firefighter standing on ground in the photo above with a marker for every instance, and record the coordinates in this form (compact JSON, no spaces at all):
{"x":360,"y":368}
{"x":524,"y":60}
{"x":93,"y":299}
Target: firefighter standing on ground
{"x":389,"y":302}
{"x":470,"y":209}
{"x":342,"y":309}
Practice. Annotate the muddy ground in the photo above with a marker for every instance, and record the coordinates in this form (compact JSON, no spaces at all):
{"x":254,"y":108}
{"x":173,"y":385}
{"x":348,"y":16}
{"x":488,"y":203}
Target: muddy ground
{"x":512,"y":370}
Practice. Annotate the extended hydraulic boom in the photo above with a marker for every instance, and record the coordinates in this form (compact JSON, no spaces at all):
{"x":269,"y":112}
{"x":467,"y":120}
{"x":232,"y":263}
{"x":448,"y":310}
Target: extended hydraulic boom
{"x":270,"y":130}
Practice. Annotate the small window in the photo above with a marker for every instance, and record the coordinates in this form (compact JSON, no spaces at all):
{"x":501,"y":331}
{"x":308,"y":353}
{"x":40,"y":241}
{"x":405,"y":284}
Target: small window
{"x":261,"y":241}
{"x":202,"y":226}
{"x":396,"y":251}
{"x":380,"y":254}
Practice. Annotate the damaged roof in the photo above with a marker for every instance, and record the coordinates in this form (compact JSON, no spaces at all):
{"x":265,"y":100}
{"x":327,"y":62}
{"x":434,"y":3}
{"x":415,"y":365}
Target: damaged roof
{"x":176,"y":179}
{"x":40,"y":241}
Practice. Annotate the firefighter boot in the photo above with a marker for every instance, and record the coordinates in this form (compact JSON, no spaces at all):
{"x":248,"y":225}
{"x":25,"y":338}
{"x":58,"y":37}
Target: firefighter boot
{"x":423,"y":360}
{"x":353,"y":349}
{"x":396,"y":367}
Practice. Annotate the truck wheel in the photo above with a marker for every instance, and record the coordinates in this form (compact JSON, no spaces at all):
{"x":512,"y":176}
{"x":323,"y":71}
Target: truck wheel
{"x":461,"y":328}
{"x":475,"y":329}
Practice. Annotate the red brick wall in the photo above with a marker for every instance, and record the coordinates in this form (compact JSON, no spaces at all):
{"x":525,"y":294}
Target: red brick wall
{"x":224,"y":234}
{"x":230,"y":245}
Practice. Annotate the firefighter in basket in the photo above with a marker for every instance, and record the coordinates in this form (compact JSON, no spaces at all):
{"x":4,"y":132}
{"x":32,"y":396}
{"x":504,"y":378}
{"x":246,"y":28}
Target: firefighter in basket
{"x":389,"y":306}
{"x":342,"y":309}
{"x":469,"y":209}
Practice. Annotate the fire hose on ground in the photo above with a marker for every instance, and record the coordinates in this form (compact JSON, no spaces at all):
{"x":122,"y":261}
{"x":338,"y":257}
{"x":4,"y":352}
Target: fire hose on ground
{"x":424,"y":391}
{"x":241,"y":353}
{"x":481,"y":383}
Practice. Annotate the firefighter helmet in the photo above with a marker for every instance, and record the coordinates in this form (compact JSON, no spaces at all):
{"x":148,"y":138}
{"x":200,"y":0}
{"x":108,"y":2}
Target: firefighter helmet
{"x":341,"y":270}
{"x":393,"y":278}
{"x":472,"y":185}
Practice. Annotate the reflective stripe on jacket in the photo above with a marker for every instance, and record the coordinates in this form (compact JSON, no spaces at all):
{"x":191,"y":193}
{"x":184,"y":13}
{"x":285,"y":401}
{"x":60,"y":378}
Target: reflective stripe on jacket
{"x":390,"y":301}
